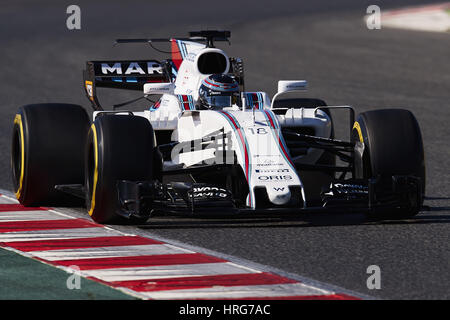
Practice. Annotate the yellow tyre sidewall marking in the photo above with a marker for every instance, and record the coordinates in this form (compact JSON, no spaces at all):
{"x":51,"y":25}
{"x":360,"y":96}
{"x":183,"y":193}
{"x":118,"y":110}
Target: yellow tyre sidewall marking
{"x":18,"y":121}
{"x":357,"y":127}
{"x":94,"y":133}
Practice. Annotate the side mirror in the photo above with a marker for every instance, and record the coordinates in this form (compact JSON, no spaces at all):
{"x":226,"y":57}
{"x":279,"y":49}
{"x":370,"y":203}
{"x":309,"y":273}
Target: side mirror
{"x":291,"y":85}
{"x":285,"y":86}
{"x":159,"y":88}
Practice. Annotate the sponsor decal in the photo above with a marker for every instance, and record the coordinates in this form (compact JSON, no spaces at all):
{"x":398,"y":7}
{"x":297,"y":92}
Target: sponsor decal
{"x":275,"y":178}
{"x":269,"y":164}
{"x":190,"y":57}
{"x":350,"y":188}
{"x":266,"y":155}
{"x":271,"y":170}
{"x":127,"y":68}
{"x":295,"y":86}
{"x":164,"y":87}
{"x":209,"y":192}
{"x":89,"y":89}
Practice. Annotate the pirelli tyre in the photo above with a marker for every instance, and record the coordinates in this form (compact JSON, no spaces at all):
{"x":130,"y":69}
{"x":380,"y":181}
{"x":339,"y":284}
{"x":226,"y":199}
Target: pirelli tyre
{"x":48,"y":149}
{"x":393,"y":145}
{"x":119,"y":147}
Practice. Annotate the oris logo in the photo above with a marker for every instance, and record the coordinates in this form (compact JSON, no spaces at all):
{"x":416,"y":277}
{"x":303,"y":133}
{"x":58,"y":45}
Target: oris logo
{"x":275,"y":178}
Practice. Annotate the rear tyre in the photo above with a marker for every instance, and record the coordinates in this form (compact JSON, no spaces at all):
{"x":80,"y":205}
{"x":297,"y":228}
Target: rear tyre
{"x":119,"y":147}
{"x":48,"y":149}
{"x":392,"y":146}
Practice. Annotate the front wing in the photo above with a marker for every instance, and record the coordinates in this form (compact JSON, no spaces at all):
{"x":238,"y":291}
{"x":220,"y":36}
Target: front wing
{"x":150,"y":198}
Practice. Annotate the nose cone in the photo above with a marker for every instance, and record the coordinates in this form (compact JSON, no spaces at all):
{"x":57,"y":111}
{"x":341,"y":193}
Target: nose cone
{"x":279,"y":195}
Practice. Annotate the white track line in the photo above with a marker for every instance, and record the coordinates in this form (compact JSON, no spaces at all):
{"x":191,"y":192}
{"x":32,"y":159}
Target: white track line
{"x":6,"y":200}
{"x":108,"y":252}
{"x":168,"y":272}
{"x":221,"y":292}
{"x":32,"y":215}
{"x":58,"y":234}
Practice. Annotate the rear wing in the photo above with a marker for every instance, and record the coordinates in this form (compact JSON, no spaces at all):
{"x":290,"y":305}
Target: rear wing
{"x":130,"y":75}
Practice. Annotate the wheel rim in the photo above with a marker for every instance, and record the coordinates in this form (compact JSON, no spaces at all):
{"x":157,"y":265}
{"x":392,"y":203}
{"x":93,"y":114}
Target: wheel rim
{"x":91,"y":172}
{"x":16,"y":158}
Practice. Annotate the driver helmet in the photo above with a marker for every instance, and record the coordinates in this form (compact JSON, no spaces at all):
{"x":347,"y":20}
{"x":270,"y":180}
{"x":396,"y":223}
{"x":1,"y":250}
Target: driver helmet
{"x":218,"y":91}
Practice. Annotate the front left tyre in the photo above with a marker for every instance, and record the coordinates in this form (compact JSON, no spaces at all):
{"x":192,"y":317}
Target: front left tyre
{"x":119,"y":147}
{"x":48,"y":149}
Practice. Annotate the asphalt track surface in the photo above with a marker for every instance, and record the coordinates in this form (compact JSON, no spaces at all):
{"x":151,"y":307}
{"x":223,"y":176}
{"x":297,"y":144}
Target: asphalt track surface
{"x":325,"y":42}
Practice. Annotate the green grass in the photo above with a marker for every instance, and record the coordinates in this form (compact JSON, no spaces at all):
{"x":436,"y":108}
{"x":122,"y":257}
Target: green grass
{"x":23,"y":278}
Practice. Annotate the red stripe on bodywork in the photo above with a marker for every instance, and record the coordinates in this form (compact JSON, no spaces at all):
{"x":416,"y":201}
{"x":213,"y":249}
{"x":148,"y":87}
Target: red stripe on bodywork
{"x":272,"y":124}
{"x":231,"y":119}
{"x":138,"y":261}
{"x":185,"y":102}
{"x":255,"y":98}
{"x":157,"y":104}
{"x":13,"y":226}
{"x":17,"y":207}
{"x":280,"y":142}
{"x":227,"y":280}
{"x":176,"y":54}
{"x":79,"y":243}
{"x":247,"y":160}
{"x":238,"y":129}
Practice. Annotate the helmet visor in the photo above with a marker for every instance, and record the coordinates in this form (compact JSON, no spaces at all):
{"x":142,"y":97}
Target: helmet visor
{"x":221,"y":101}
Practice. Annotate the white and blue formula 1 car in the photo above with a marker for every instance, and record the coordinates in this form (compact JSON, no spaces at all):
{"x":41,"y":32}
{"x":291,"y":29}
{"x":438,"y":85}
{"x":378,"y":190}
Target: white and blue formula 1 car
{"x":206,"y":146}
